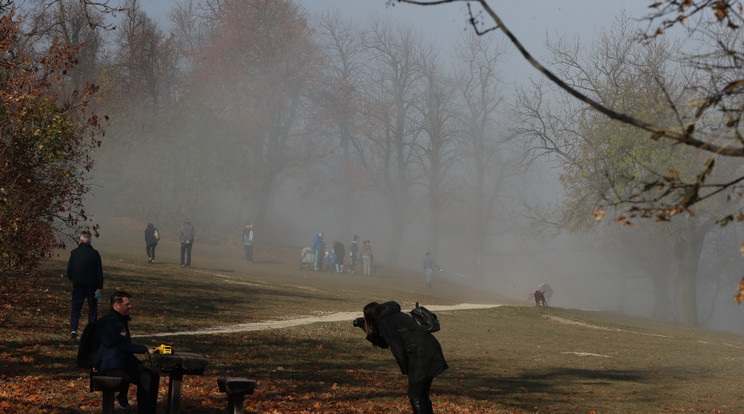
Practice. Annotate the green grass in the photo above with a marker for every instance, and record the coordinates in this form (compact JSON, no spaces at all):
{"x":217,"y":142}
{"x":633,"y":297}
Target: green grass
{"x":510,"y":359}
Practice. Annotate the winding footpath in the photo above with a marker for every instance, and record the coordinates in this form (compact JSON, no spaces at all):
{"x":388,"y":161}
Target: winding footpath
{"x":278,"y":324}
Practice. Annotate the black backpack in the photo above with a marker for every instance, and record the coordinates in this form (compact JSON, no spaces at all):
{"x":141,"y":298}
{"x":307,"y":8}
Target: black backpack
{"x":88,"y":346}
{"x":425,"y":319}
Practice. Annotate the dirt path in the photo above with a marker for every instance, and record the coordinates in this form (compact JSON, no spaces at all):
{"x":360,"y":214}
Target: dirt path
{"x":286,"y":323}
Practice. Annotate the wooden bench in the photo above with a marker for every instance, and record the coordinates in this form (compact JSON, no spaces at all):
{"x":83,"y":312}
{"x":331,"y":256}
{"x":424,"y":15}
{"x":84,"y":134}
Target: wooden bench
{"x":236,"y":390}
{"x":109,"y":386}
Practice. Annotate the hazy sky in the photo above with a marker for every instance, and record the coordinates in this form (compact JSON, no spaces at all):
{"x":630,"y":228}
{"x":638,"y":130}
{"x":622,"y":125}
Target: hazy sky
{"x":529,"y":20}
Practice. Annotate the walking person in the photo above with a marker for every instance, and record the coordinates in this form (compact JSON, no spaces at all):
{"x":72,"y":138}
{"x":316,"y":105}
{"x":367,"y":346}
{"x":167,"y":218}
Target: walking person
{"x":152,"y":236}
{"x":354,"y":252}
{"x":418,"y":353}
{"x":248,"y":242}
{"x":429,"y":265}
{"x":115,"y":356}
{"x":367,"y":257}
{"x":85,"y":270}
{"x":186,"y":234}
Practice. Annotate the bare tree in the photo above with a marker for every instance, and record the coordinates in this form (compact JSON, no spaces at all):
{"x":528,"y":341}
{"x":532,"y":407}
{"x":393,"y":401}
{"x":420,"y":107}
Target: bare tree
{"x":254,"y":74}
{"x":712,"y":128}
{"x":481,"y":139}
{"x":340,"y":102}
{"x":144,"y":58}
{"x":437,"y":144}
{"x":394,"y":78}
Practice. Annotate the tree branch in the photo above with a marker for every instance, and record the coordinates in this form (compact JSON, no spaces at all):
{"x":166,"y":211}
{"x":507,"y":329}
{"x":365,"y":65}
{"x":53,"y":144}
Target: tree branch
{"x":658,"y":132}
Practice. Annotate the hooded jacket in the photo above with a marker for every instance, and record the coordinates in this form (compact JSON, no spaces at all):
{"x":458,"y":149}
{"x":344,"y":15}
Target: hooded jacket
{"x":418,"y":353}
{"x":150,"y":238}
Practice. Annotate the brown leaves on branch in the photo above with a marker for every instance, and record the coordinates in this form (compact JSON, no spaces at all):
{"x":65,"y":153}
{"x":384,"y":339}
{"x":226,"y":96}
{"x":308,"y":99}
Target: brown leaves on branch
{"x":672,"y":12}
{"x":739,"y":297}
{"x":45,"y":145}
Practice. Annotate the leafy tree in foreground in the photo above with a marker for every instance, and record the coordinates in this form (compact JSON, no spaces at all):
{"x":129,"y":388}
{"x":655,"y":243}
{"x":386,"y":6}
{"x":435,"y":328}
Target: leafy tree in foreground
{"x":45,"y":148}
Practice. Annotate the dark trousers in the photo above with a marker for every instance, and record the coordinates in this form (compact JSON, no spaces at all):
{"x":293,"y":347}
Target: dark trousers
{"x":418,"y":395}
{"x":248,"y":252}
{"x":151,"y":251}
{"x":79,"y":295}
{"x":147,"y":382}
{"x":186,"y":253}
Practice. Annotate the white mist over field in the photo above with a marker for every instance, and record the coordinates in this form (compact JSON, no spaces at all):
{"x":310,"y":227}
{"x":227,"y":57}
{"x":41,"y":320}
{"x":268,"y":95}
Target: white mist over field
{"x":585,"y":269}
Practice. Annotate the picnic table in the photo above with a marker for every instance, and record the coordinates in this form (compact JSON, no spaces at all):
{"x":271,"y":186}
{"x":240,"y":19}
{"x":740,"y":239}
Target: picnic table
{"x":176,"y":365}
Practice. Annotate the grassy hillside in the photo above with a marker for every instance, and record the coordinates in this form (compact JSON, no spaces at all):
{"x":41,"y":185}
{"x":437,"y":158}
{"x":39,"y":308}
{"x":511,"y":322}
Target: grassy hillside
{"x":509,"y":359}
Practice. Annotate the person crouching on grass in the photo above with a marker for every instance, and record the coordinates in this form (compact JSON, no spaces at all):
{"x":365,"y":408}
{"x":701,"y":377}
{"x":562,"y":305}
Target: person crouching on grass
{"x":417,"y":352}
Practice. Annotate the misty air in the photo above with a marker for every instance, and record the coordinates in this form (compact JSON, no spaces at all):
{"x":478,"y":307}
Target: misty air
{"x":347,"y":206}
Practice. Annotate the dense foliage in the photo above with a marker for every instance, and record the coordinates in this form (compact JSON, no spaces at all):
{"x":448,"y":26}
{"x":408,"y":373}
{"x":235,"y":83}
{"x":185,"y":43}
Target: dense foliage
{"x":45,"y":149}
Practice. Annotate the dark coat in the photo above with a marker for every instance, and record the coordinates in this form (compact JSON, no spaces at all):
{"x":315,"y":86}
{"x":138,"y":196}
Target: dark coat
{"x":116,"y":350}
{"x":84,"y":267}
{"x":338,"y":248}
{"x":150,"y":238}
{"x":418,"y":353}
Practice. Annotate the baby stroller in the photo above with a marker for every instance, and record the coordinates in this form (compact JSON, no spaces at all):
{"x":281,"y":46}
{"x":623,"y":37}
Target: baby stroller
{"x":307,"y":258}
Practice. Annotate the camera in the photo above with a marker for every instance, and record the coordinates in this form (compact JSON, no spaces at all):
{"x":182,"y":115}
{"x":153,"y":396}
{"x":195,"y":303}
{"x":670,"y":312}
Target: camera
{"x":358,"y":322}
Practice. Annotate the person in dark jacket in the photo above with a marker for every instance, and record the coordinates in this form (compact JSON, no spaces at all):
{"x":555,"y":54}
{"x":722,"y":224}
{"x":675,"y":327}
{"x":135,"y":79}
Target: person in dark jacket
{"x":418,"y":353}
{"x":115,"y":356}
{"x":354,"y":252}
{"x":85,"y":270}
{"x":151,"y":240}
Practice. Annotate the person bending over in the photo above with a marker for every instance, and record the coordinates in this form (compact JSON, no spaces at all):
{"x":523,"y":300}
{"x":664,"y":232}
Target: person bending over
{"x":418,"y":353}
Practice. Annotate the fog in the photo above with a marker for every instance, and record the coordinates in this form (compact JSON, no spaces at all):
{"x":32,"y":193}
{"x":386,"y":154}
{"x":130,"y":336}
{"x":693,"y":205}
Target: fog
{"x":161,"y":174}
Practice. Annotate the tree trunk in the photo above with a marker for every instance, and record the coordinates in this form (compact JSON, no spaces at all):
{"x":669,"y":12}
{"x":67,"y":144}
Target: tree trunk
{"x":689,"y":247}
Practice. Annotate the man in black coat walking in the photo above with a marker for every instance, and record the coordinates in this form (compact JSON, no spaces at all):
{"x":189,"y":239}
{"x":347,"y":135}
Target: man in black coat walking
{"x":85,"y":271}
{"x":417,"y":352}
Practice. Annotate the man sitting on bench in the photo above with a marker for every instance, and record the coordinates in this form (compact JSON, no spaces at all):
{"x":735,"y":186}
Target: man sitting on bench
{"x":116,"y":357}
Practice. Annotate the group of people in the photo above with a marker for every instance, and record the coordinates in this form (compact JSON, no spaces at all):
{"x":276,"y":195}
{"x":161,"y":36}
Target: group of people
{"x":186,"y":234}
{"x":418,"y":353}
{"x":332,"y":259}
{"x":116,"y":353}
